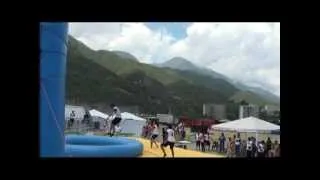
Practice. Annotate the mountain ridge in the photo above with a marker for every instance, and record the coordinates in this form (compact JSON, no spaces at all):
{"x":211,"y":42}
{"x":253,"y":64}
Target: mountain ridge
{"x":180,"y":63}
{"x":103,"y":77}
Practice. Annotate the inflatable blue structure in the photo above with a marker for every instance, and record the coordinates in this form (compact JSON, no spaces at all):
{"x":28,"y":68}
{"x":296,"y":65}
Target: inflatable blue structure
{"x":53,"y":47}
{"x":101,"y":146}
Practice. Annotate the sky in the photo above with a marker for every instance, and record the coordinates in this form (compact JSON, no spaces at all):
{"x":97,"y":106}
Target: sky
{"x":246,"y":52}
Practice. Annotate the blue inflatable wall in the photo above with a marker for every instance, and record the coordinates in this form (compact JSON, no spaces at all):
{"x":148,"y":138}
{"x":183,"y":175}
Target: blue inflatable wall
{"x":53,"y":47}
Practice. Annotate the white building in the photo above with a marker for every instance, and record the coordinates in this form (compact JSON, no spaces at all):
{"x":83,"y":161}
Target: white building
{"x":270,"y":109}
{"x":249,"y":110}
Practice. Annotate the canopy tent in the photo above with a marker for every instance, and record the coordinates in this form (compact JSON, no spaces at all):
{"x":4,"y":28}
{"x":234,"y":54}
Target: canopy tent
{"x":132,"y":124}
{"x":98,"y":117}
{"x":95,"y":113}
{"x":250,"y":124}
{"x":223,"y":120}
{"x":126,"y":115}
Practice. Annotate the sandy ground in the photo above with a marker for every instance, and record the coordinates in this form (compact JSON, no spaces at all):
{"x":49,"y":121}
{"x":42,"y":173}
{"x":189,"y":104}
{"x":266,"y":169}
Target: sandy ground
{"x":179,"y":152}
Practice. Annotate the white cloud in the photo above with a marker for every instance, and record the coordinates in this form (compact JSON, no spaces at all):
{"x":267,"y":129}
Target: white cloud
{"x":247,"y":52}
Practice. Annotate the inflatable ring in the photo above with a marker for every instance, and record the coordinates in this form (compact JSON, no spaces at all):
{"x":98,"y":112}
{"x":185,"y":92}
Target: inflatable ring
{"x":101,"y":146}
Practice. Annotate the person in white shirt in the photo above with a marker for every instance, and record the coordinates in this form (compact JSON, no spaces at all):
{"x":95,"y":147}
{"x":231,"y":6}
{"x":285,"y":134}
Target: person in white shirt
{"x":197,"y":141}
{"x":261,"y":149}
{"x":116,"y":120}
{"x":154,"y":134}
{"x":170,"y":140}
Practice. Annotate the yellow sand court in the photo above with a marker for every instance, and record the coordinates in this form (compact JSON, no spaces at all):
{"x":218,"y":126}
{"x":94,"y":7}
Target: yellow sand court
{"x":179,"y":152}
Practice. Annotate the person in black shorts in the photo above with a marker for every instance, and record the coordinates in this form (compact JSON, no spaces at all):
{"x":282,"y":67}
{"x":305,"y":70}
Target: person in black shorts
{"x":72,"y":117}
{"x":154,"y":134}
{"x":117,"y":119}
{"x":168,"y":141}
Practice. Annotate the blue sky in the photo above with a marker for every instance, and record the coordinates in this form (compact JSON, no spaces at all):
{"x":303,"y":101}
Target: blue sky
{"x":178,"y":30}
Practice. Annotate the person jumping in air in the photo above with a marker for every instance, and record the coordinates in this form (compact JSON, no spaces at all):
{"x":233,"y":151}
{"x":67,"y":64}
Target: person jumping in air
{"x":117,"y":119}
{"x":154,"y":134}
{"x":168,"y":141}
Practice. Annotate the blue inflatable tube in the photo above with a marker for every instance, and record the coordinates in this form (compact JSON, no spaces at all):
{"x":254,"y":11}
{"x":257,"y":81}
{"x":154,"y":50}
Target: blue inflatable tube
{"x":53,"y":50}
{"x":101,"y":146}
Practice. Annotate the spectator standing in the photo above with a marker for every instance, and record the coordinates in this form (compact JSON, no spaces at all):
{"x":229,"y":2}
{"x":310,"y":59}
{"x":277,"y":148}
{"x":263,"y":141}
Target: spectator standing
{"x":254,"y":147}
{"x":243,"y":148}
{"x":238,"y":145}
{"x":261,"y":149}
{"x":277,"y":149}
{"x":207,"y":141}
{"x":197,"y":140}
{"x":201,"y":137}
{"x":229,"y":148}
{"x":72,"y":118}
{"x":164,"y":134}
{"x":222,"y":140}
{"x":249,"y":148}
{"x":269,"y":146}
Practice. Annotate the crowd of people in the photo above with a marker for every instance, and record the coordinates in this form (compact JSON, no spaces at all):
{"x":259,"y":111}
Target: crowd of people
{"x":147,"y":130}
{"x":236,"y":147}
{"x":169,"y":134}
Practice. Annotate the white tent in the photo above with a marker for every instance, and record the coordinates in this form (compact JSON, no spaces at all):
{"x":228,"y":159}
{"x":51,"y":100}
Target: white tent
{"x":131,"y":123}
{"x":98,"y":116}
{"x":250,"y":124}
{"x":95,"y":113}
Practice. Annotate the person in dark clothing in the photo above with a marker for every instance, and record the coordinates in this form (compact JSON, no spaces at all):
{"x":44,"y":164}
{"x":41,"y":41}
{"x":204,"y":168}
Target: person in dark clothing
{"x":183,"y":135}
{"x":238,"y":145}
{"x":86,"y":118}
{"x":269,"y":146}
{"x":201,"y":137}
{"x":254,"y":147}
{"x":222,"y":139}
{"x":72,"y":117}
{"x":163,"y":134}
{"x":249,"y":148}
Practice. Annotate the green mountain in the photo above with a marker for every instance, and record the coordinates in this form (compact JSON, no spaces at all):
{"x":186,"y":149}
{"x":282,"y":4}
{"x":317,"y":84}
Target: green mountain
{"x":125,"y":55}
{"x":180,"y":63}
{"x":95,"y":77}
